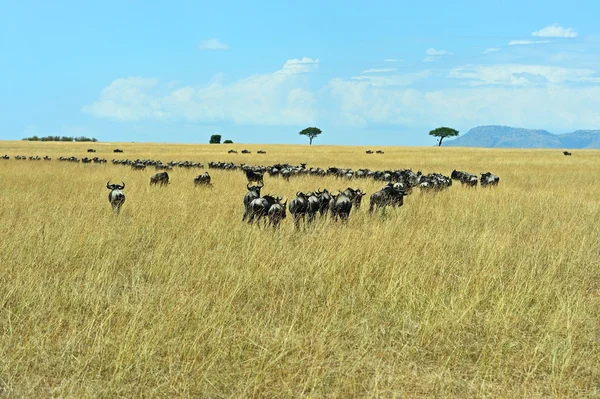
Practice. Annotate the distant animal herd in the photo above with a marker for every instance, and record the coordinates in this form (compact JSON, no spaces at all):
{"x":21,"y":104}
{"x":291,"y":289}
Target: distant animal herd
{"x":304,"y":207}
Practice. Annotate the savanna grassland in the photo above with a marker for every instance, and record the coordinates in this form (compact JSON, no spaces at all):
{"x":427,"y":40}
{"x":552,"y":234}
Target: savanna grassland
{"x":464,"y":293}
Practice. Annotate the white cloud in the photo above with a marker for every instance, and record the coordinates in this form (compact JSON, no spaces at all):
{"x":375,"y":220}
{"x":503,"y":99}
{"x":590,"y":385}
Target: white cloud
{"x":521,"y":42}
{"x":360,"y":105}
{"x":277,"y":98}
{"x":390,"y":60}
{"x":555,"y":30}
{"x":405,"y":79}
{"x":378,"y":70}
{"x":490,"y":50}
{"x":212,"y":44}
{"x":519,"y":75}
{"x":432,"y":51}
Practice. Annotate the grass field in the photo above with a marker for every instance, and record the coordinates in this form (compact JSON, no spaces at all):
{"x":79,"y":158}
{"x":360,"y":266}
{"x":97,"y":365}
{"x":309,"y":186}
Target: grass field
{"x":464,"y":293}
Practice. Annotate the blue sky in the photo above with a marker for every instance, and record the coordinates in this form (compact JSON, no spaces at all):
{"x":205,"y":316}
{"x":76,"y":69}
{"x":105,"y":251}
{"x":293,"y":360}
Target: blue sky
{"x":372,"y":73}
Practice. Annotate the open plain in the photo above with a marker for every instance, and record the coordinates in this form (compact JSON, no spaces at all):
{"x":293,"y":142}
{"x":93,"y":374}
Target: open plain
{"x":467,"y":292}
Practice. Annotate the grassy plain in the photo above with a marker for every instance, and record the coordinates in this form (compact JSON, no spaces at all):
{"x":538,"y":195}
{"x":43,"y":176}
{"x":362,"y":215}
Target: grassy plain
{"x":465,"y":293}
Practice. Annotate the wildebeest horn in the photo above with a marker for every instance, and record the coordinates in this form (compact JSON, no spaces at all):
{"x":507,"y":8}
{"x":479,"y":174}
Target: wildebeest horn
{"x":262,"y":184}
{"x":299,"y":193}
{"x":108,"y":185}
{"x":248,"y":186}
{"x":123,"y":186}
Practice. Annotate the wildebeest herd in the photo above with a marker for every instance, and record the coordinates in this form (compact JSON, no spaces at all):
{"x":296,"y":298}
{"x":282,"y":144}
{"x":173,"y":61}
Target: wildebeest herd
{"x":304,"y":206}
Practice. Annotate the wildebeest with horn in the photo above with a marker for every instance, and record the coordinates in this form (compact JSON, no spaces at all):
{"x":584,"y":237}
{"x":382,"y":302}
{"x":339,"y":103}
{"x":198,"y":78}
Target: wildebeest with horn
{"x":391,"y":194}
{"x":354,"y":195}
{"x":340,"y":206}
{"x":277,"y":213}
{"x":252,"y":194}
{"x":116,"y":196}
{"x":298,"y":207}
{"x":260,"y":207}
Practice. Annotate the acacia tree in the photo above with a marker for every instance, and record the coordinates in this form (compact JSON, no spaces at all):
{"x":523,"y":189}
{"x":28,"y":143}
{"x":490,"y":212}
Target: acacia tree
{"x":311,"y":132}
{"x":215,"y":139}
{"x":442,"y":133}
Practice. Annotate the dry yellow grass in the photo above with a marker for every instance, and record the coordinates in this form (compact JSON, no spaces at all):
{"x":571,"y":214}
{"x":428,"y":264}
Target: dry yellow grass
{"x":466,"y":293}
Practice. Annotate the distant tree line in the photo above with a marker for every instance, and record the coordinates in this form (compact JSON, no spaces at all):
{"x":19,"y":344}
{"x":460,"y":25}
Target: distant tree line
{"x":60,"y":138}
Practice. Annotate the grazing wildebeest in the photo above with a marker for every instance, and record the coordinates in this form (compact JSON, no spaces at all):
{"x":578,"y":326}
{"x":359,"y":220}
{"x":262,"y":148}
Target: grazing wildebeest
{"x":232,"y":152}
{"x":298,"y":207}
{"x":6,"y":156}
{"x":116,"y":196}
{"x":379,"y":152}
{"x":92,"y":150}
{"x":138,"y":166}
{"x":260,"y":207}
{"x":252,"y":194}
{"x":340,"y":207}
{"x":354,"y":195}
{"x":369,"y":151}
{"x":567,"y":153}
{"x":277,"y":212}
{"x":391,"y":194}
{"x":261,"y":152}
{"x":203,"y":179}
{"x":246,"y":151}
{"x":254,"y":176}
{"x":488,"y":179}
{"x":47,"y":158}
{"x":117,"y":150}
{"x":161,"y":178}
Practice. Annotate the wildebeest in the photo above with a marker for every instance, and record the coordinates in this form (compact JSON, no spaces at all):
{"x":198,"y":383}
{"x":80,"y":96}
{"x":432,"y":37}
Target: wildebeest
{"x":379,"y":152}
{"x":252,"y":194}
{"x":246,"y":151}
{"x":261,"y":152}
{"x":232,"y":152}
{"x":116,"y":196}
{"x":117,"y":150}
{"x":6,"y":156}
{"x":354,"y":195}
{"x":369,"y":151}
{"x":92,"y":150}
{"x":260,"y":207}
{"x":277,"y":212}
{"x":464,"y":178}
{"x":340,"y":206}
{"x":161,"y":178}
{"x":47,"y":158}
{"x":254,"y":176}
{"x":298,"y":207}
{"x":314,"y":203}
{"x":566,"y":153}
{"x":203,"y":179}
{"x":391,"y":194}
{"x":138,"y":166}
{"x":325,"y":198}
{"x":488,"y":179}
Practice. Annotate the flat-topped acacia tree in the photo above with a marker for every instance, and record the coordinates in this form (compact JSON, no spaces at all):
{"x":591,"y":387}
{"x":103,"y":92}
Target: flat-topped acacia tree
{"x":311,"y":132}
{"x":442,"y":133}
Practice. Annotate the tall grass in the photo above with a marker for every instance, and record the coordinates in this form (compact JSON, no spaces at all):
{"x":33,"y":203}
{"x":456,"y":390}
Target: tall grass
{"x":469,"y":292}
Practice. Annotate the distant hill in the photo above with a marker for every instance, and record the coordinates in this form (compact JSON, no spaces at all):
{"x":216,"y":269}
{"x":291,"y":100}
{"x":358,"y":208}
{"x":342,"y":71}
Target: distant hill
{"x":512,"y":137}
